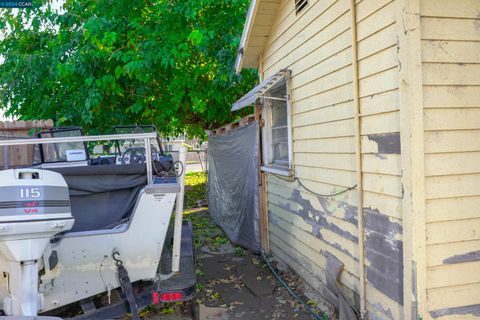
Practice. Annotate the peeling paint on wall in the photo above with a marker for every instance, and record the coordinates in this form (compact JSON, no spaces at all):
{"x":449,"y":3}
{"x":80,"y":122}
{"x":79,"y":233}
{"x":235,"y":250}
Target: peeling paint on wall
{"x":378,"y":306}
{"x":414,"y":291}
{"x":384,"y":254}
{"x":462,"y":311}
{"x":383,"y":238}
{"x":373,"y":316}
{"x":349,"y":212}
{"x":318,"y":217}
{"x":388,"y":143}
{"x":466,"y":257}
{"x":334,"y":269}
{"x":315,"y":230}
{"x":391,"y":287}
{"x":272,"y":218}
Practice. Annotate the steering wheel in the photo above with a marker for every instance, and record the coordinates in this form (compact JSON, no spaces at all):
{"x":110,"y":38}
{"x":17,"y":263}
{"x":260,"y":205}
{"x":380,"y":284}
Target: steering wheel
{"x":134,"y":155}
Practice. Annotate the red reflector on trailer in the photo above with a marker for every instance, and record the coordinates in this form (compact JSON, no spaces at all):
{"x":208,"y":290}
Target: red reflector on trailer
{"x":171,"y":296}
{"x":155,"y":298}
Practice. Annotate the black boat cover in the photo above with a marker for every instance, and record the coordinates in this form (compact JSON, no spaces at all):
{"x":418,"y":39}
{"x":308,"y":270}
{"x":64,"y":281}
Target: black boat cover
{"x":102,"y":196}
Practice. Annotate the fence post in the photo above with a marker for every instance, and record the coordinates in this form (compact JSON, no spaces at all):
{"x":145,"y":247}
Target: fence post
{"x":5,"y":158}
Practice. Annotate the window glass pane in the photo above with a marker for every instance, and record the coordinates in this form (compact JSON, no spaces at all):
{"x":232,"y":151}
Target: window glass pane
{"x":279,"y":128}
{"x":280,"y":146}
{"x":279,"y":113}
{"x":123,"y":145}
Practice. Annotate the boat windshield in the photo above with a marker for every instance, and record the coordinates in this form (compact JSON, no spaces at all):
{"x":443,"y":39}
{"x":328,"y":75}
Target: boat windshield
{"x":122,"y":146}
{"x":64,"y":151}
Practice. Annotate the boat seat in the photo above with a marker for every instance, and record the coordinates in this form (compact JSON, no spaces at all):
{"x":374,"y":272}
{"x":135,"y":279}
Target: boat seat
{"x":102,"y":196}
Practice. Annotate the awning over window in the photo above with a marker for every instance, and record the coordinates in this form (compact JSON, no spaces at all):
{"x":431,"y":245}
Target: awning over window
{"x":259,"y":90}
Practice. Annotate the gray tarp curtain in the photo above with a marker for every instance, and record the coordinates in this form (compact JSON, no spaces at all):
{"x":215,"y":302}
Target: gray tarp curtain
{"x":233,"y":198}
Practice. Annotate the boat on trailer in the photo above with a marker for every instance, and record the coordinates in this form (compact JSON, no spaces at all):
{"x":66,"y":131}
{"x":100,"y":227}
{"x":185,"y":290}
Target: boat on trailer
{"x":94,"y":235}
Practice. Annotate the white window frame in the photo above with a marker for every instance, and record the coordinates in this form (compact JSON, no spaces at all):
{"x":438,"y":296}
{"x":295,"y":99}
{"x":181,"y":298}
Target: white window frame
{"x":267,"y":146}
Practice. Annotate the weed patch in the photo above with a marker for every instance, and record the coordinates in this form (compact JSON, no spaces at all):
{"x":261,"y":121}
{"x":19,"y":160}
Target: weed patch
{"x":195,"y":188}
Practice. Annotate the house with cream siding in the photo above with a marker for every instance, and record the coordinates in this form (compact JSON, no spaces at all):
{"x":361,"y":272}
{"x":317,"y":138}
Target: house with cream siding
{"x":370,"y":138}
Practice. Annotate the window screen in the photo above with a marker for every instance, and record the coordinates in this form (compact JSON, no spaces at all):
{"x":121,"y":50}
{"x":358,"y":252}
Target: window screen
{"x":279,"y":127}
{"x":276,"y":126}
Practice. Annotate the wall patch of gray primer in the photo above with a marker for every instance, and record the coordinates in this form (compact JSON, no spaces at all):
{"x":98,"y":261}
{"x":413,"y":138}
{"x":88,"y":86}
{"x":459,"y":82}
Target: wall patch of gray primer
{"x":316,"y":217}
{"x":466,"y":257}
{"x":349,"y":212}
{"x":384,"y":253}
{"x":472,"y":309}
{"x":383,"y":247}
{"x":315,"y":229}
{"x":272,"y":218}
{"x":379,"y":308}
{"x":388,"y":143}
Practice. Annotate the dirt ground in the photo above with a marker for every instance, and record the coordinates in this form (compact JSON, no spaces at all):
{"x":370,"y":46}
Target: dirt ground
{"x":232,"y":283}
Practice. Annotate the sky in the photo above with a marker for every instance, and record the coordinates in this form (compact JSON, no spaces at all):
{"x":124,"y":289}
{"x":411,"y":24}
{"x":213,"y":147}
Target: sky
{"x":2,"y":117}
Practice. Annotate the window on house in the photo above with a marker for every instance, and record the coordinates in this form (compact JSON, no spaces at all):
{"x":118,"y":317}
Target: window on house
{"x":300,"y":5}
{"x":276,"y":132}
{"x":273,"y":95}
{"x":276,"y":126}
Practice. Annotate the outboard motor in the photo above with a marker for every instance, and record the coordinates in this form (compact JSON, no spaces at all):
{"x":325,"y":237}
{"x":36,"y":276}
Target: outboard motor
{"x":34,"y":206}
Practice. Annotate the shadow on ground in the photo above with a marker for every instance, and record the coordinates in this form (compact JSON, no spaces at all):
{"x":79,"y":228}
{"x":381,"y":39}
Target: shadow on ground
{"x":232,"y":283}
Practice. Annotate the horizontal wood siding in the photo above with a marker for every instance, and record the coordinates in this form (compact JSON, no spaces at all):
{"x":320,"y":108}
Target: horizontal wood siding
{"x":451,"y":90}
{"x":381,"y":166}
{"x":305,"y":228}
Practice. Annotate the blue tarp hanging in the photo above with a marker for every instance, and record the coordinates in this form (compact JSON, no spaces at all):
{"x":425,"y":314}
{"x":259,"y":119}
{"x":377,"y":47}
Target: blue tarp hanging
{"x":233,"y":198}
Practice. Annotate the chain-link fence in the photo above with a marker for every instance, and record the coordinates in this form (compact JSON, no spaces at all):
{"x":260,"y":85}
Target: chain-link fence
{"x":196,"y":161}
{"x":195,"y":177}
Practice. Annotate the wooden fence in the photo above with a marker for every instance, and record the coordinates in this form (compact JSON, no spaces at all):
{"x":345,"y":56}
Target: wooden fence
{"x":17,"y":156}
{"x":239,"y":123}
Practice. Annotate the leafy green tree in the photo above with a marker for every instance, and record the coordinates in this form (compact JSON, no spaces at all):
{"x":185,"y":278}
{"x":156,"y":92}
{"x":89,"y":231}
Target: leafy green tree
{"x":99,"y":63}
